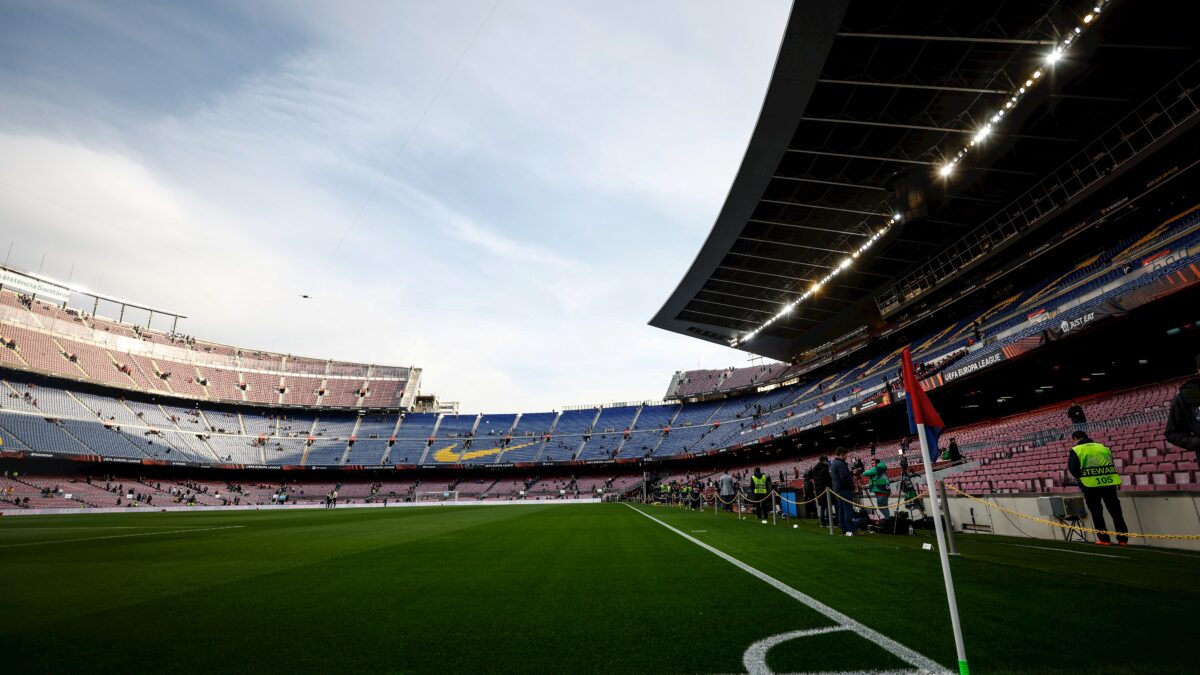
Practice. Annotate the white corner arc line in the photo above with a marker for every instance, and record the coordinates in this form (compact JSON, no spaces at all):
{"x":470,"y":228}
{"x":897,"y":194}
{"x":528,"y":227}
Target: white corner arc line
{"x":923,"y":663}
{"x":755,"y":658}
{"x":863,"y":672}
{"x":121,"y":536}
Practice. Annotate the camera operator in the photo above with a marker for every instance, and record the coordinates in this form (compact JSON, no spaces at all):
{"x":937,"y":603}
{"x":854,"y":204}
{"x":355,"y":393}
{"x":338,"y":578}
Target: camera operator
{"x":857,"y":469}
{"x":880,"y":486}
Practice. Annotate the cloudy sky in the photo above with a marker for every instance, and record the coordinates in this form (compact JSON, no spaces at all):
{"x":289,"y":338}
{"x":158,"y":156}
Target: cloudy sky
{"x":502,"y":193}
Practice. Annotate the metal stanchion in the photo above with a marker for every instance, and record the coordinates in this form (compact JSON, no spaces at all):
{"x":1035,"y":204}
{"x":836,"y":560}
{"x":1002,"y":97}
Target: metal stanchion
{"x":773,"y":496}
{"x":739,"y":506}
{"x":951,"y":547}
{"x":829,"y":510}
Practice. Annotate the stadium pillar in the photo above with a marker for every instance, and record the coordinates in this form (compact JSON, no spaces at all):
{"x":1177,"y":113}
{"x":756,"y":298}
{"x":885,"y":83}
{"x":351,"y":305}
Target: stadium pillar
{"x":953,"y":548}
{"x":829,"y":510}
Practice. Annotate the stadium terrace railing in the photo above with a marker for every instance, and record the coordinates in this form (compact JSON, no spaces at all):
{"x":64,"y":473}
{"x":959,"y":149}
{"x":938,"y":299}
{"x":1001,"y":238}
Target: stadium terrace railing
{"x":1045,"y":436}
{"x":1163,"y":113}
{"x":133,"y":345}
{"x":617,"y":404}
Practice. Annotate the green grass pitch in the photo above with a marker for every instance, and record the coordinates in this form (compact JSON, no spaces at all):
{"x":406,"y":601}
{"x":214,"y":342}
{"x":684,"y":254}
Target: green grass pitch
{"x":596,"y":588}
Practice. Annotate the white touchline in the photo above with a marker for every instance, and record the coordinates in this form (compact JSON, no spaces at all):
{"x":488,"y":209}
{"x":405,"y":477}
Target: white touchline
{"x":22,"y":528}
{"x":1063,"y":550}
{"x":926,"y":665}
{"x":121,"y":536}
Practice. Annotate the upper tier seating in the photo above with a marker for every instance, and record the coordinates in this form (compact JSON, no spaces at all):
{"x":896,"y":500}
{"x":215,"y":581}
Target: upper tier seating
{"x":72,"y":344}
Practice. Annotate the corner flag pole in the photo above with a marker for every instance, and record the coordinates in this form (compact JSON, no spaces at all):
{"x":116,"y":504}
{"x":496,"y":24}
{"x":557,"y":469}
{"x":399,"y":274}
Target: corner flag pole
{"x":941,"y":544}
{"x":927,"y":424}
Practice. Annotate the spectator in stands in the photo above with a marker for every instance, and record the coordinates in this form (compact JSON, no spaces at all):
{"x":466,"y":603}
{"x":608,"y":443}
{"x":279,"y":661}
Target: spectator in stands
{"x":952,"y":452}
{"x":1078,"y":417}
{"x":1091,"y":464}
{"x":880,"y":486}
{"x":842,"y":484}
{"x":1183,"y":423}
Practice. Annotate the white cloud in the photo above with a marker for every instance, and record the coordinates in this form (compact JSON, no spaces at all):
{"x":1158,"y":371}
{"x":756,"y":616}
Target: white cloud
{"x":515,"y":250}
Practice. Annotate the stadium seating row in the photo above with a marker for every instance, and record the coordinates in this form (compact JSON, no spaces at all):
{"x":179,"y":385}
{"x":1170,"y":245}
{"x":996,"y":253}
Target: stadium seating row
{"x":21,"y":491}
{"x":1085,"y":275}
{"x":1021,"y":453}
{"x":64,"y":342}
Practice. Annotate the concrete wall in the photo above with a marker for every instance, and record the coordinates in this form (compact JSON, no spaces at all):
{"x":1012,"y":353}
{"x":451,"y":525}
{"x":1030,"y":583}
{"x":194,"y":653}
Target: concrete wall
{"x":1145,"y":512}
{"x":292,"y":507}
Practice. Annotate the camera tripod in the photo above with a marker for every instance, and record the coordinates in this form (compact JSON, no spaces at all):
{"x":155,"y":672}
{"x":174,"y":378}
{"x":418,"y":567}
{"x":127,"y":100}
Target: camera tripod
{"x":907,"y":491}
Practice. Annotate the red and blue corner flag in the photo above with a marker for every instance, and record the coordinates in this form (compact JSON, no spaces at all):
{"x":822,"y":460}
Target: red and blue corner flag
{"x":920,"y":409}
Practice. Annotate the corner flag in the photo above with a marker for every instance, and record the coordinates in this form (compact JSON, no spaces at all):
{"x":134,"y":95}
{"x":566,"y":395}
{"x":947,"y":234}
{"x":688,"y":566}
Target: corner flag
{"x":924,"y":421}
{"x":921,"y":415}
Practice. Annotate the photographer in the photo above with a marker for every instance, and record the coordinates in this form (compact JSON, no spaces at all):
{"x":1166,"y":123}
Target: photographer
{"x":880,"y":486}
{"x":856,"y":469}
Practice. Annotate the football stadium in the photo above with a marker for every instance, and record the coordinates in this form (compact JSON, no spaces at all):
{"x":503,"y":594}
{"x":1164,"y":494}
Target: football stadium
{"x":957,"y":276}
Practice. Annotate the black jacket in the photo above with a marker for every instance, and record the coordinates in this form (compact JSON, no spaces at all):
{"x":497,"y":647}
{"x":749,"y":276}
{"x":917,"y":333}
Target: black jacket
{"x":820,"y":476}
{"x":1183,"y":424}
{"x":839,"y":475}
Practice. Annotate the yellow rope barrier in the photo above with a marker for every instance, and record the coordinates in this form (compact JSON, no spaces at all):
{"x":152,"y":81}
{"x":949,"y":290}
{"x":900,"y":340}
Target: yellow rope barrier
{"x":1077,"y":528}
{"x":807,"y":501}
{"x":898,"y":504}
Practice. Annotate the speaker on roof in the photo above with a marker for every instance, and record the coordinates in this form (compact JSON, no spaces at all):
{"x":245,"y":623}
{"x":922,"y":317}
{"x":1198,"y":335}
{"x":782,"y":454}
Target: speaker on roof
{"x":911,"y":189}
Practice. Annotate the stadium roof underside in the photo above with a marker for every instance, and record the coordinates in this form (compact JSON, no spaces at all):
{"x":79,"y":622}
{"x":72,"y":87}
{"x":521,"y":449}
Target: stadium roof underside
{"x":867,"y":103}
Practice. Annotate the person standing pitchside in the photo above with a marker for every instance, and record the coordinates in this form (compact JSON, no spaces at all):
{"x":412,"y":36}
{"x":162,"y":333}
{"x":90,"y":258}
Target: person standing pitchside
{"x":1183,"y":424}
{"x":725,"y":490}
{"x":1091,"y":464}
{"x":760,"y":484}
{"x":843,"y":485}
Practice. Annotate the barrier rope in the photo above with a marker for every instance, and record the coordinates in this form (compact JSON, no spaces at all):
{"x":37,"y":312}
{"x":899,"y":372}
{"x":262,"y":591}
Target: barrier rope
{"x":1076,"y":528}
{"x":748,"y":500}
{"x":807,"y":501}
{"x":898,"y":504}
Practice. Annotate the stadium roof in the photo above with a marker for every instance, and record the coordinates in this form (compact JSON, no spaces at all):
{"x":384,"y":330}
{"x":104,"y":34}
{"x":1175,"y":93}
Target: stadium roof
{"x":867,"y":105}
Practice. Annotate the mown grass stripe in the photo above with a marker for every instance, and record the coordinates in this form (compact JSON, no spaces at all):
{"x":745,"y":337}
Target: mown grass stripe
{"x":907,"y":655}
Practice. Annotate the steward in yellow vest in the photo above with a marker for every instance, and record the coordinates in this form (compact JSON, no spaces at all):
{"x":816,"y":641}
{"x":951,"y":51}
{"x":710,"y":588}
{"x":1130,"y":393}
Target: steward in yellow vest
{"x":760,"y":484}
{"x":1091,"y":464}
